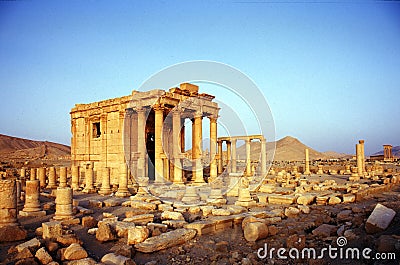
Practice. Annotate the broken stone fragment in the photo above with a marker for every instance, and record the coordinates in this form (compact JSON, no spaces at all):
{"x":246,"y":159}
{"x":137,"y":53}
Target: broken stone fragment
{"x":254,"y":231}
{"x":105,"y":232}
{"x":292,"y":212}
{"x":74,"y":252}
{"x":306,"y":199}
{"x":114,"y":259}
{"x":137,"y":234}
{"x":169,"y":215}
{"x":380,"y":219}
{"x":43,"y":256}
{"x":141,"y":219}
{"x":324,"y":230}
{"x":221,"y":212}
{"x":32,"y":244}
{"x":166,"y":240}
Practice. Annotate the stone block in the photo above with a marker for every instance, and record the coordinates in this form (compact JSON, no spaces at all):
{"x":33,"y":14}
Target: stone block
{"x":380,"y":219}
{"x":348,"y":197}
{"x":105,"y":232}
{"x":168,"y":215}
{"x":202,"y":227}
{"x":281,"y":199}
{"x":89,"y":222}
{"x":175,"y":223}
{"x":141,"y":219}
{"x":254,"y":231}
{"x":221,"y":212}
{"x":137,"y":234}
{"x":43,"y":256}
{"x":51,"y":230}
{"x":74,"y":252}
{"x":122,"y":228}
{"x":32,"y":244}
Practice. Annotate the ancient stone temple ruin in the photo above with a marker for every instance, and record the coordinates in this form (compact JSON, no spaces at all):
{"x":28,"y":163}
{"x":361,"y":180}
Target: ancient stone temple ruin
{"x":145,"y":131}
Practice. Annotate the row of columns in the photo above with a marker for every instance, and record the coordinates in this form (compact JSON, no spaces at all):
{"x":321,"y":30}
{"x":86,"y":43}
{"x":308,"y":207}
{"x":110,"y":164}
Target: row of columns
{"x":231,"y":160}
{"x":162,"y":161}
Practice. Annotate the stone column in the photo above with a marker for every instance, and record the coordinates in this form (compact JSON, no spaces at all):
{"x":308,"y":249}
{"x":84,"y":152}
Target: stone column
{"x":141,"y":127}
{"x":220,"y":168}
{"x":19,"y":192}
{"x":42,"y":176}
{"x":52,"y":178}
{"x":359,"y":160}
{"x":197,"y":148}
{"x":23,"y":173}
{"x":361,"y":142}
{"x":63,"y":177}
{"x":75,"y":177}
{"x":105,"y":184}
{"x":63,"y":204}
{"x":33,"y":174}
{"x":32,"y":203}
{"x":89,"y":188}
{"x":233,"y":156}
{"x":123,"y":182}
{"x":263,"y":157}
{"x":228,"y":155}
{"x":8,"y":202}
{"x":158,"y":167}
{"x":248,"y":157}
{"x":213,"y":148}
{"x":307,"y":165}
{"x":176,"y":129}
{"x":9,"y":227}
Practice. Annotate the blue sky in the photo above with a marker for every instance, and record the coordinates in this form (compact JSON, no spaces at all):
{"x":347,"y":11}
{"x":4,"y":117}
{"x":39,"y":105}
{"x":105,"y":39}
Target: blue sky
{"x":330,"y":71}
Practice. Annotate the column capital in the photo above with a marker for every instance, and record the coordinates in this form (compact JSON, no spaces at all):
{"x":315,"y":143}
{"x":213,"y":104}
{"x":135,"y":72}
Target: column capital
{"x":158,"y":107}
{"x":213,"y":118}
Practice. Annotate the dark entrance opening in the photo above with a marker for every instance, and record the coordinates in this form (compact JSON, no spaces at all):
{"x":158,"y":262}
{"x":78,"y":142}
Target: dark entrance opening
{"x":150,"y":145}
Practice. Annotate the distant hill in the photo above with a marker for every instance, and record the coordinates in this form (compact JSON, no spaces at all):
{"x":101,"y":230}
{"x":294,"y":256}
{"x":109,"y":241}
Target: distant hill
{"x":395,"y":151}
{"x":19,"y":148}
{"x":287,"y":149}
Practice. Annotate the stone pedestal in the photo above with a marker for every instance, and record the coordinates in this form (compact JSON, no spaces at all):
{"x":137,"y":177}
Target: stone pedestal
{"x":233,"y":186}
{"x":9,"y":226}
{"x":64,"y":204}
{"x":244,"y":194}
{"x":32,"y":203}
{"x":123,"y":182}
{"x":347,"y":170}
{"x":105,"y":185}
{"x":63,"y":177}
{"x":42,"y":177}
{"x":191,"y":196}
{"x":75,"y":177}
{"x":52,"y":178}
{"x":89,"y":188}
{"x":216,"y":197}
{"x":320,"y":170}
